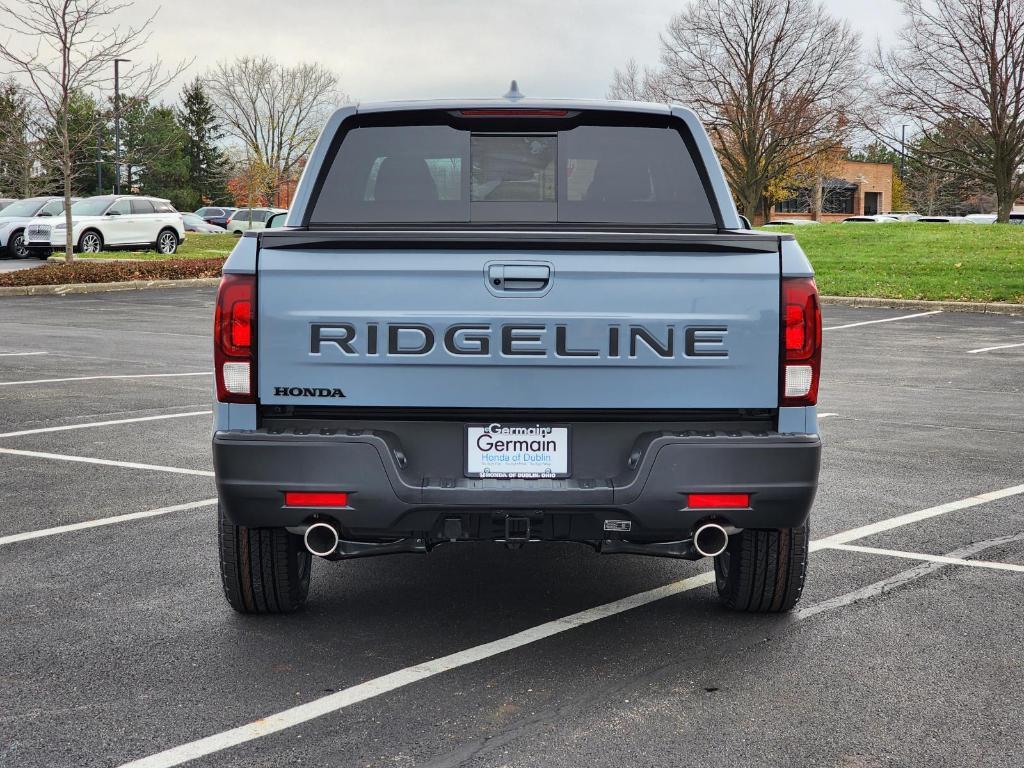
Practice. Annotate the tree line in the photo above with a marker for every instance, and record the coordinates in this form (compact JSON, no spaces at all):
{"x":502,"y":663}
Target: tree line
{"x":239,"y":134}
{"x":785,"y":89}
{"x":166,"y":151}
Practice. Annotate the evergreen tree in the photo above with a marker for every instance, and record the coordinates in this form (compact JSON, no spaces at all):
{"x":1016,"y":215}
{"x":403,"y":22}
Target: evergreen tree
{"x":18,"y":178}
{"x":87,"y":130}
{"x":207,"y":164}
{"x":165,"y":172}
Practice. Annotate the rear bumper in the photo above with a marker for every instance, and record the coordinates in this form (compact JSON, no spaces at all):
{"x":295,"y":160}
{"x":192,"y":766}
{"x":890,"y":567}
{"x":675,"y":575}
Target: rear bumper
{"x":254,"y":469}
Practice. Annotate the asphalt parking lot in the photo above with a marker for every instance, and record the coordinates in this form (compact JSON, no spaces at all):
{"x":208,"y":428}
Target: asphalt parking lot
{"x":12,"y":265}
{"x":117,"y":645}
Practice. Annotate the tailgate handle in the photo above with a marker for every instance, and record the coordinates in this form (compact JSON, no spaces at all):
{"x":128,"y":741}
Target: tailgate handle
{"x":518,"y":277}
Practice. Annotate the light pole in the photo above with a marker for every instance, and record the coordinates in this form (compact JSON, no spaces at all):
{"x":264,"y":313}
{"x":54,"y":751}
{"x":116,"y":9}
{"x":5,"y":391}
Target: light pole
{"x":903,"y":150}
{"x":99,"y":159}
{"x":117,"y":126}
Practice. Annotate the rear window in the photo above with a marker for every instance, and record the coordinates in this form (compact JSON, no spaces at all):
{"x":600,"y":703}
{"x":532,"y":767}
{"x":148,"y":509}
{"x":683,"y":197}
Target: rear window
{"x":615,"y":174}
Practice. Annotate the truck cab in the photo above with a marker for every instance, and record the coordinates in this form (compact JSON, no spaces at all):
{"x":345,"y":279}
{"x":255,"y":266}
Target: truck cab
{"x":515,"y":321}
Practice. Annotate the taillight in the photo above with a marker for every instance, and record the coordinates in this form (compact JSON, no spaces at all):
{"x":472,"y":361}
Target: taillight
{"x":512,"y":112}
{"x":234,"y":334}
{"x":801,"y":341}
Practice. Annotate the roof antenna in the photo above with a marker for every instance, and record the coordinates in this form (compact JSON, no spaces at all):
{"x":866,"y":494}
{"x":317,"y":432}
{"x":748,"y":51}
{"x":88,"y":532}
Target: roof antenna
{"x":513,"y":92}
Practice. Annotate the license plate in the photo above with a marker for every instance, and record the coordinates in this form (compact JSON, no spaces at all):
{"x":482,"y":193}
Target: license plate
{"x":521,"y":451}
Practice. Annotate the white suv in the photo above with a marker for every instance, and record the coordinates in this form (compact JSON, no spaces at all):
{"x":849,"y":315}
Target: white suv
{"x":240,"y":221}
{"x":113,"y":221}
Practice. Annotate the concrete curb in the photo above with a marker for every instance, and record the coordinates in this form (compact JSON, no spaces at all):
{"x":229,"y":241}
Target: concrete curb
{"x":989,"y":307}
{"x":992,"y":307}
{"x":126,"y":285}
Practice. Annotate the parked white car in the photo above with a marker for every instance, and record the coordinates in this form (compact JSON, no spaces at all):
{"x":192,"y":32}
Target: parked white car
{"x":903,"y":215}
{"x":973,"y":218}
{"x":16,"y":216}
{"x":943,"y":220}
{"x":111,"y":222}
{"x":870,"y":219}
{"x":240,"y":220}
{"x":790,"y":223}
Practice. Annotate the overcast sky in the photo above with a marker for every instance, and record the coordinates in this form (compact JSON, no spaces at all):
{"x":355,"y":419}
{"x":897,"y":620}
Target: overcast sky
{"x":393,"y":49}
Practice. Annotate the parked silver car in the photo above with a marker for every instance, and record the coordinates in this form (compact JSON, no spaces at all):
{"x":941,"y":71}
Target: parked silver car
{"x":195,"y":223}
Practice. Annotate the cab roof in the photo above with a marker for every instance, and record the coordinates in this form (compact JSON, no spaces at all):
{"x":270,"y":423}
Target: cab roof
{"x":519,"y":103}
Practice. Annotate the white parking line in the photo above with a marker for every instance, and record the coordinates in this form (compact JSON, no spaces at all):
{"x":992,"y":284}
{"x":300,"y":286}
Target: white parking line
{"x":820,"y":416}
{"x":989,"y":349}
{"x":929,"y":558}
{"x":335,"y":702}
{"x":21,"y":354}
{"x":883,"y":320}
{"x":87,"y":425}
{"x":107,"y":462}
{"x":94,"y":378}
{"x":28,"y":535}
{"x":913,"y":517}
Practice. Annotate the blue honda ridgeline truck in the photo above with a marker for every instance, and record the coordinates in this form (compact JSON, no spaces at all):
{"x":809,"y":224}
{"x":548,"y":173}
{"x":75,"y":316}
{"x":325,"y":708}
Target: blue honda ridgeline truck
{"x":515,"y":321}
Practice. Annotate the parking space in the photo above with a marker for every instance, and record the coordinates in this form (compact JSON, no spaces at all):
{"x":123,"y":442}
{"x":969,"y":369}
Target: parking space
{"x":118,"y":645}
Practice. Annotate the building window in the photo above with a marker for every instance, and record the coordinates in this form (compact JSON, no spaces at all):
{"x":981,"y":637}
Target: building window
{"x":837,"y":200}
{"x":799,"y":203}
{"x":836,"y":197}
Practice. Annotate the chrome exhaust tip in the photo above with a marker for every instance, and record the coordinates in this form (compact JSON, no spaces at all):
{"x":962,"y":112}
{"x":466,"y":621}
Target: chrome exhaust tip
{"x":710,"y":540}
{"x":321,"y":539}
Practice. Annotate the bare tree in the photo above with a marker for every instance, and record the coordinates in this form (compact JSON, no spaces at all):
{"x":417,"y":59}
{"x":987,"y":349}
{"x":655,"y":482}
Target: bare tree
{"x":276,"y":111}
{"x":771,"y":79}
{"x":633,"y":84}
{"x":958,"y":72}
{"x":68,"y":49}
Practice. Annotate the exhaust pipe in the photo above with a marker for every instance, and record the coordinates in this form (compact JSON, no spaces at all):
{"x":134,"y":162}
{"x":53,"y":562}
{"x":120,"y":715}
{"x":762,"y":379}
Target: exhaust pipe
{"x":321,"y":539}
{"x":710,"y":540}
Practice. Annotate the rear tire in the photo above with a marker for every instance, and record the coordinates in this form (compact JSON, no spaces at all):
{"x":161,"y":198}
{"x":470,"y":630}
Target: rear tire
{"x":167,"y":242}
{"x":263,"y":570}
{"x":91,"y":241}
{"x":763,"y":571}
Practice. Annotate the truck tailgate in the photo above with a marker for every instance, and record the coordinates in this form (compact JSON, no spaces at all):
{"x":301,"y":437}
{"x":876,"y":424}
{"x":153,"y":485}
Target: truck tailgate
{"x":531,"y":329}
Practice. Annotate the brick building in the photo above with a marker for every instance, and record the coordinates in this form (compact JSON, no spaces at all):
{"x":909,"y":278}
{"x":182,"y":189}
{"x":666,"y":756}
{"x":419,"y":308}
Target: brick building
{"x":857,"y":189}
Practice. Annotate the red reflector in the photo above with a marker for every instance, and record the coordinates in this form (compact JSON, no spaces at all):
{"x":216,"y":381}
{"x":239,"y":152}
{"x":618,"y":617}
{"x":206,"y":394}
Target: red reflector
{"x":493,"y":112}
{"x":718,"y":501}
{"x":315,"y":499}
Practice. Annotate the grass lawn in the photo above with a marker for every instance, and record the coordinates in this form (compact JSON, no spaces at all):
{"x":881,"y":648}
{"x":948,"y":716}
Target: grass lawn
{"x":194,"y":247}
{"x":965,"y":262}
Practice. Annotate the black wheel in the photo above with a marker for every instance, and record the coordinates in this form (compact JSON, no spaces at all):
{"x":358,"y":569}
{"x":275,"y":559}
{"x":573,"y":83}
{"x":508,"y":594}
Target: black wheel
{"x":263,"y":570}
{"x":167,"y":242}
{"x":16,"y":246}
{"x":90,"y":242}
{"x":763,"y":571}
